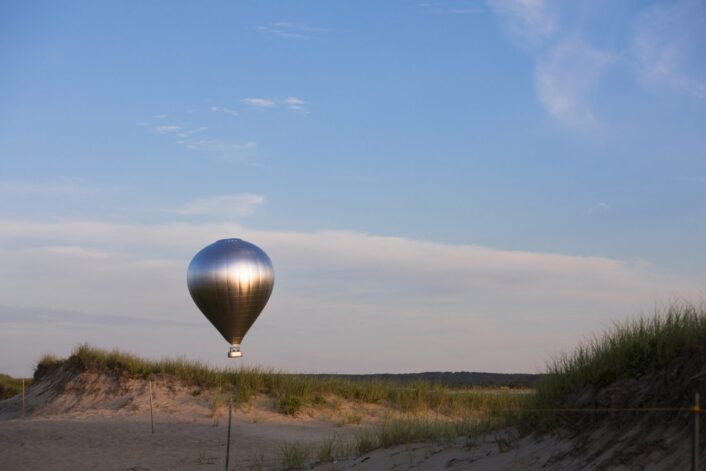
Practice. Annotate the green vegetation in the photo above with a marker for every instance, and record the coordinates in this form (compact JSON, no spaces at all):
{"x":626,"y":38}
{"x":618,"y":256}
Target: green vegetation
{"x":290,"y":392}
{"x":628,"y":350}
{"x":400,"y":431}
{"x":294,"y":455}
{"x":331,"y":449}
{"x":10,"y":387}
{"x":389,"y":433}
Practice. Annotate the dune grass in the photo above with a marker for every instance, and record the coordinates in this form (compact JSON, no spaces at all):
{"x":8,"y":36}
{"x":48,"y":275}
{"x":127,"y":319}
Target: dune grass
{"x":291,"y":392}
{"x":10,"y":387}
{"x":410,"y":430}
{"x":392,"y":432}
{"x":628,"y":350}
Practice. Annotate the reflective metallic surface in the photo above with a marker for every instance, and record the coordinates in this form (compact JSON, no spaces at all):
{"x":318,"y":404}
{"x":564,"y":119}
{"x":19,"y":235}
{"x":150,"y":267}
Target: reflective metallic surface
{"x":230,"y":281}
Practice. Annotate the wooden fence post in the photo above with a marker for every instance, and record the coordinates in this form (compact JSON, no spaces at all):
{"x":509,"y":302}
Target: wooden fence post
{"x":695,"y":444}
{"x":230,"y":414}
{"x":151,"y":413}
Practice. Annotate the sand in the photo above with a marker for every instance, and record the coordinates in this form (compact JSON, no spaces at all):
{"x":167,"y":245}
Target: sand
{"x":91,"y":421}
{"x":496,"y":453}
{"x":102,"y":443}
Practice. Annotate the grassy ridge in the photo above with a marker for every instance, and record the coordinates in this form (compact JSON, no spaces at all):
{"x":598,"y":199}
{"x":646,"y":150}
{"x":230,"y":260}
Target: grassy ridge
{"x":629,"y":350}
{"x":291,"y":392}
{"x":10,"y":387}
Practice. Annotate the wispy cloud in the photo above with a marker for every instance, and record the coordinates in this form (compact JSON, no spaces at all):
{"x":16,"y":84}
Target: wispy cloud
{"x":599,"y":208}
{"x":224,"y":109}
{"x":567,"y":68}
{"x":565,"y":77}
{"x":223,"y":206}
{"x":259,"y":102}
{"x":451,"y":7}
{"x":219,"y":147}
{"x":333,"y":287}
{"x":666,"y":43}
{"x":296,"y":104}
{"x":669,"y":43}
{"x":530,"y":20}
{"x":167,"y":129}
{"x":285,"y":29}
{"x":178,"y":131}
{"x":194,"y":139}
{"x":291,"y":103}
{"x":59,"y":187}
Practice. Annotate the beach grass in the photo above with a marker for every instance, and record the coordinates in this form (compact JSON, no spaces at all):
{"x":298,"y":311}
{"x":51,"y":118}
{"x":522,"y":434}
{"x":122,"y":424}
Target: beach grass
{"x":10,"y":387}
{"x":628,"y":350}
{"x":389,"y":433}
{"x":291,"y":392}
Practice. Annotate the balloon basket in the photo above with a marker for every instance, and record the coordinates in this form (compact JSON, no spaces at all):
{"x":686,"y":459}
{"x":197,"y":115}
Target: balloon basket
{"x":234,"y":352}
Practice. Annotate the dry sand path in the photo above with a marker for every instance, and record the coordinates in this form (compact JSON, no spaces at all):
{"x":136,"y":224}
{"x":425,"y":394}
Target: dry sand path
{"x":103,"y":443}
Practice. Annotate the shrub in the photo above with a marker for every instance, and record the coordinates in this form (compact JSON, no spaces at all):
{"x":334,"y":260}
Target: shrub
{"x":289,"y":405}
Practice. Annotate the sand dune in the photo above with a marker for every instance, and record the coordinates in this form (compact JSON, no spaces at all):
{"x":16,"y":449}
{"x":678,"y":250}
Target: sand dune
{"x":93,"y":422}
{"x":81,"y":419}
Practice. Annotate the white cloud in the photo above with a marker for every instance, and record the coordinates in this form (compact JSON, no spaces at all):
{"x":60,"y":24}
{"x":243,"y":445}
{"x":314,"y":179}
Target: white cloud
{"x":565,"y":77}
{"x":220,"y":148}
{"x":188,"y":138}
{"x":294,"y":101}
{"x":459,"y":302}
{"x":296,"y":104}
{"x":451,"y":7}
{"x":60,"y":187}
{"x":223,"y":206}
{"x":289,"y":30}
{"x":531,"y":20}
{"x":567,"y":68}
{"x":224,"y":109}
{"x":259,"y":102}
{"x":167,"y":129}
{"x":177,"y":131}
{"x":669,"y":43}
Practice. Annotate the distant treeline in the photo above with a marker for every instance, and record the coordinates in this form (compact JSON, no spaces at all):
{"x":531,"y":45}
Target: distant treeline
{"x":449,"y":379}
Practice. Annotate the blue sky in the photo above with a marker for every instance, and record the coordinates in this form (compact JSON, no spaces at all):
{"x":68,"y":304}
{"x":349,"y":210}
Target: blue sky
{"x":481,"y":182}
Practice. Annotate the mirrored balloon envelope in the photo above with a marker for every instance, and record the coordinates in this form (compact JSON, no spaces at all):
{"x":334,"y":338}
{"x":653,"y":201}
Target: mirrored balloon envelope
{"x":231,"y":281}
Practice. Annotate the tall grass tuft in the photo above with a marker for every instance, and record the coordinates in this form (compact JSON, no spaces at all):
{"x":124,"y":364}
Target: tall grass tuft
{"x":628,"y":350}
{"x":294,"y":455}
{"x":400,"y":431}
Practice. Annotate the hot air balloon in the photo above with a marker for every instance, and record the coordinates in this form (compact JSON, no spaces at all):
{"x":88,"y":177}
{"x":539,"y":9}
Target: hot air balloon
{"x":230,"y":281}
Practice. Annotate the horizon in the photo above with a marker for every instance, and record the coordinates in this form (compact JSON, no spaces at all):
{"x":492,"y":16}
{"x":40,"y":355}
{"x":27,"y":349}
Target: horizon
{"x":469,"y":186}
